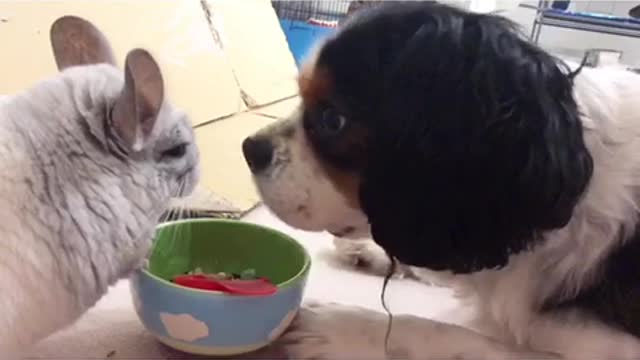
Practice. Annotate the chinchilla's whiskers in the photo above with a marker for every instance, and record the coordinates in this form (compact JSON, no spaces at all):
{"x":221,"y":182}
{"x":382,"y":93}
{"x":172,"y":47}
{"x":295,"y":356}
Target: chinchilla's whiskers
{"x":171,"y":212}
{"x":166,"y":216}
{"x":181,"y":187}
{"x":177,"y":229}
{"x":179,"y":213}
{"x":189,"y":224}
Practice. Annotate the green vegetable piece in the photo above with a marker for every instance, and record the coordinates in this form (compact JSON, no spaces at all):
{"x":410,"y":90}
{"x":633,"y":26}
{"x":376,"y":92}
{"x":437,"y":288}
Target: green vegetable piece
{"x":248,"y":274}
{"x":196,"y":271}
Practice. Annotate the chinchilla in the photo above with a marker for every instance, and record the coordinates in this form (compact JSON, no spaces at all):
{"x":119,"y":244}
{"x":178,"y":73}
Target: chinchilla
{"x":90,"y":159}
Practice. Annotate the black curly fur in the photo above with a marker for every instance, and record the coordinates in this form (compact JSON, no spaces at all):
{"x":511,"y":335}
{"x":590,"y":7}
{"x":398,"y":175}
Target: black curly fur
{"x":476,"y":144}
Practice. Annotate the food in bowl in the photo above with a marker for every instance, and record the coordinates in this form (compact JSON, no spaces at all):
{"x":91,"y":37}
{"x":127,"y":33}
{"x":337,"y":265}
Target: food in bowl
{"x":246,"y":283}
{"x":218,"y":323}
{"x":247,"y":274}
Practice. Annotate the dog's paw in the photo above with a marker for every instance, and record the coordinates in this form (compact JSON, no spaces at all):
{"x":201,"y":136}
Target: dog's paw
{"x":365,"y":255}
{"x":332,"y":331}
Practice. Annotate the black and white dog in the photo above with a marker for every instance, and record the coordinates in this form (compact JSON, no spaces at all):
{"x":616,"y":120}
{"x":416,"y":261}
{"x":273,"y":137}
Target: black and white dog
{"x":460,"y":147}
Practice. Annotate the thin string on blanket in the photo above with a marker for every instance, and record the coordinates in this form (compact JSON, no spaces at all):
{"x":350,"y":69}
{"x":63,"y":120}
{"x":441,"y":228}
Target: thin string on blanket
{"x":572,"y":74}
{"x":390,"y":271}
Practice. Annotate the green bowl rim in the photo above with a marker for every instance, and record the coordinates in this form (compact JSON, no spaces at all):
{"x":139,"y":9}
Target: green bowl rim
{"x":305,"y":267}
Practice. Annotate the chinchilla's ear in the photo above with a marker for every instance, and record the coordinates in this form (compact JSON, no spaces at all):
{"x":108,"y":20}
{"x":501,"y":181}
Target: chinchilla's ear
{"x":136,"y":110}
{"x":75,"y":41}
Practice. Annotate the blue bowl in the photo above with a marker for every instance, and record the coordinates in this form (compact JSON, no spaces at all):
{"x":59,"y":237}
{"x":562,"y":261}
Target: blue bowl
{"x":209,"y":322}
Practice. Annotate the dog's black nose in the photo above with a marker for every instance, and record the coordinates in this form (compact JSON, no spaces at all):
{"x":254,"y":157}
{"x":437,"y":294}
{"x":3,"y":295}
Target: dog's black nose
{"x":257,"y":152}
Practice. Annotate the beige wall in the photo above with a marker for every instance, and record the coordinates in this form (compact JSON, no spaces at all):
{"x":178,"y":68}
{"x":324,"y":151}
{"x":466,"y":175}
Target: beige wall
{"x":220,"y":60}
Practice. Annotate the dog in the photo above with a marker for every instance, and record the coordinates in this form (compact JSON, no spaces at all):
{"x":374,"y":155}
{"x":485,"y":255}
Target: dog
{"x":463,"y":149}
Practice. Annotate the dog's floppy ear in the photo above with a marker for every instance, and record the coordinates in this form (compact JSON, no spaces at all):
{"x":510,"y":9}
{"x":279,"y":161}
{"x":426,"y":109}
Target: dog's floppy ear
{"x":478,"y":148}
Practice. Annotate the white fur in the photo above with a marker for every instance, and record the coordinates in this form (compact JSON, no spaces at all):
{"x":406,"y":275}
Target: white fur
{"x":72,"y":226}
{"x":298,"y":190}
{"x":77,"y":212}
{"x":505,"y":299}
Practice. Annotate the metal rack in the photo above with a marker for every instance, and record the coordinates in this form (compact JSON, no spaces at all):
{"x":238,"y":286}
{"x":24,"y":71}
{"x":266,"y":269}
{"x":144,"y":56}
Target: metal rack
{"x":581,"y":21}
{"x":305,"y":22}
{"x":303,"y":10}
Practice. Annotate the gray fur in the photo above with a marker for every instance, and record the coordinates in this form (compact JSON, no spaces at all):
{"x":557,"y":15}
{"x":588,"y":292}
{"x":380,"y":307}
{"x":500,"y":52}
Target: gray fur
{"x":77,"y":208}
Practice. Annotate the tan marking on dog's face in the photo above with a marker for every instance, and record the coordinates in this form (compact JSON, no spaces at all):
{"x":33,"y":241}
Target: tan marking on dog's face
{"x":314,"y":180}
{"x":299,"y":189}
{"x":347,"y":147}
{"x":315,"y":84}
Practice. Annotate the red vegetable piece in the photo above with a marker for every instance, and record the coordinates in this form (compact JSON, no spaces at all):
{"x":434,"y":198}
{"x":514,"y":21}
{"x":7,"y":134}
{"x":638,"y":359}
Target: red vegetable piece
{"x":198,"y":282}
{"x":260,"y":286}
{"x":255,"y":287}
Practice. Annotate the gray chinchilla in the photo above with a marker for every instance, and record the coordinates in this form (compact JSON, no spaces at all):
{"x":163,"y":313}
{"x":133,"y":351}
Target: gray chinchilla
{"x":90,"y":160}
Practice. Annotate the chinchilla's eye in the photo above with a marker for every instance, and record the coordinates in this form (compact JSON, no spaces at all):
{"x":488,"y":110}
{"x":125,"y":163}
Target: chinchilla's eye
{"x":177,"y":151}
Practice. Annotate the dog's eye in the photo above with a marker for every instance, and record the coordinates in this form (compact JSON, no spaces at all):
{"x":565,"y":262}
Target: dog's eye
{"x":177,"y":151}
{"x":331,"y":122}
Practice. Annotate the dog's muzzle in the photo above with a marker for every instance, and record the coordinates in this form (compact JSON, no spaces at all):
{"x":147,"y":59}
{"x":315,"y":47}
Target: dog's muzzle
{"x":258,"y":153}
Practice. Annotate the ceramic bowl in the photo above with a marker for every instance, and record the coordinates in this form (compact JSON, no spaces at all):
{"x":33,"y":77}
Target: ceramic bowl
{"x":214,"y":323}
